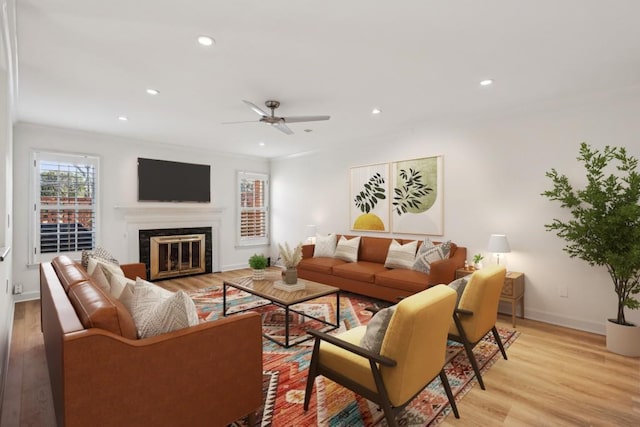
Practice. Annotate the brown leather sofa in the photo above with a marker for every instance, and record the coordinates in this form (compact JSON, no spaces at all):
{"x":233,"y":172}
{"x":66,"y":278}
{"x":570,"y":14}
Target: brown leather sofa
{"x":368,"y":276}
{"x":208,"y":374}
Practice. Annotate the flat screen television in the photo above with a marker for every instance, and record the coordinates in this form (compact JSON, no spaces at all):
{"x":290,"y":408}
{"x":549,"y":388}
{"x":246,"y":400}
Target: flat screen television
{"x":166,"y":181}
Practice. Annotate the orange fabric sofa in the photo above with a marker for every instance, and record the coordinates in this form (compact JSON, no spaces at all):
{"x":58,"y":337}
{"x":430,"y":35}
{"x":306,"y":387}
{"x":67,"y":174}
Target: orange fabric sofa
{"x":368,"y":276}
{"x":101,"y":374}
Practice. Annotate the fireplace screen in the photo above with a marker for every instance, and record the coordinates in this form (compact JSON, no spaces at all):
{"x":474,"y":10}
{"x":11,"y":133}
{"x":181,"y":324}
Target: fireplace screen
{"x":177,"y":255}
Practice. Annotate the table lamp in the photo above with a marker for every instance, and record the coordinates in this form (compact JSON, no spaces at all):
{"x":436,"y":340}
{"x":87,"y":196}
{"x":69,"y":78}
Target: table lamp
{"x":498,"y":244}
{"x":310,"y":233}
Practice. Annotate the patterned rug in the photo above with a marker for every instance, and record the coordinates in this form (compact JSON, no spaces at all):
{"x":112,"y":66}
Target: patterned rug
{"x":285,"y":370}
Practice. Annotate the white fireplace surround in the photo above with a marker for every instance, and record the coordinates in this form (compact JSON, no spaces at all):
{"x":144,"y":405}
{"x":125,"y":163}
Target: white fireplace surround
{"x":144,"y":217}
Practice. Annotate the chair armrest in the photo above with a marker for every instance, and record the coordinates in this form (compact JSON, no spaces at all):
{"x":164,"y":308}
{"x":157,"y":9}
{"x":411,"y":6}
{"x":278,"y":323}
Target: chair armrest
{"x":131,"y":271}
{"x":444,"y":270}
{"x":352,"y":348}
{"x":464,"y":312}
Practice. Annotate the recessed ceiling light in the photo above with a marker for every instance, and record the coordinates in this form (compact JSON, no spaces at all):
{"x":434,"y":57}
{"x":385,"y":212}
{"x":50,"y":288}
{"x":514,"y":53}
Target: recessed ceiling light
{"x":261,"y":144}
{"x":153,"y":91}
{"x":487,"y":82}
{"x":123,"y":118}
{"x":376,"y":111}
{"x":308,"y":130}
{"x":205,"y":40}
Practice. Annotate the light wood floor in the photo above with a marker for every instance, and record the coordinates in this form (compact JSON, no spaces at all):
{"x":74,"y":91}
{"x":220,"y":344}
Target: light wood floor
{"x":554,"y":377}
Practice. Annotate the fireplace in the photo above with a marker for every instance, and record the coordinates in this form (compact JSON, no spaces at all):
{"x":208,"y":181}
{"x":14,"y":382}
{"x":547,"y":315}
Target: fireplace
{"x":176,"y":252}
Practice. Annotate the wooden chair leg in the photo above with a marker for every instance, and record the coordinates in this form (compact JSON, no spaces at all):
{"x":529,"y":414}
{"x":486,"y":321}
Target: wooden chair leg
{"x":496,"y":335}
{"x":311,"y":376}
{"x":447,"y":388}
{"x":469,"y":350}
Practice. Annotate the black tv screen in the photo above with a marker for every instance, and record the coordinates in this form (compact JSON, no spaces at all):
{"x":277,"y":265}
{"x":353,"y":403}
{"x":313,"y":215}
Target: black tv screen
{"x":165,"y":181}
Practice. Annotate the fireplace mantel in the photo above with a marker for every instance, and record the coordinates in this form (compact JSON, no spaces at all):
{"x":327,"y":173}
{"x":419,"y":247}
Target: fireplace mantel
{"x":151,"y":212}
{"x":158,"y":215}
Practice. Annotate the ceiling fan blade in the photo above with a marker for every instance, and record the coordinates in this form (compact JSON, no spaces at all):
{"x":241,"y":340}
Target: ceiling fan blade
{"x":242,"y":121}
{"x":255,"y":108}
{"x":282,"y":127}
{"x":297,"y":119}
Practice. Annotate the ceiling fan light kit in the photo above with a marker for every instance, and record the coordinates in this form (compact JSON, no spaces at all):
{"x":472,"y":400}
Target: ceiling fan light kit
{"x":277,"y":121}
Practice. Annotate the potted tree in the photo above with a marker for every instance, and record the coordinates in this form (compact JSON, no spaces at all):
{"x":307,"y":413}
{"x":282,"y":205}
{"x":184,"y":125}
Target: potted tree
{"x":258,"y":263}
{"x":604,"y":230}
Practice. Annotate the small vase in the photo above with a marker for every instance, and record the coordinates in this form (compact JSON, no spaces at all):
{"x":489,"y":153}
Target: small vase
{"x":258,"y":274}
{"x":291,"y":276}
{"x":478,"y":265}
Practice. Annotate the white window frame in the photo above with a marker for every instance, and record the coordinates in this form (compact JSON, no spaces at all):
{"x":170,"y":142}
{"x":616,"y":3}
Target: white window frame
{"x":35,"y":257}
{"x":252,"y":240}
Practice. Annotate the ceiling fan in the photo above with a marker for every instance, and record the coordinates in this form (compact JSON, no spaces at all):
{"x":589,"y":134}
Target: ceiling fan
{"x":276,"y":121}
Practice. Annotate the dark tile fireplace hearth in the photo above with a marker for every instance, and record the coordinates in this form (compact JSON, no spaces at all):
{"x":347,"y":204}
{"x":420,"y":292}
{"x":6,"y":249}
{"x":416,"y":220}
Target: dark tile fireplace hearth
{"x":172,"y":265}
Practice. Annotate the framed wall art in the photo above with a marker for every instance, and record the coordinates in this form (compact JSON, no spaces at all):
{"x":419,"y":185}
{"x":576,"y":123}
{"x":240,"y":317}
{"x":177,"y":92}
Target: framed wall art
{"x":417,"y":199}
{"x":369,"y":198}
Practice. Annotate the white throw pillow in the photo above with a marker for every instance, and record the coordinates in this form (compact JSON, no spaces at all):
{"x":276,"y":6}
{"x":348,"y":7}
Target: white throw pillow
{"x":429,"y":253}
{"x":107,"y":267}
{"x":100,"y":280}
{"x":117,"y":285}
{"x":401,"y":256}
{"x":325,"y":245}
{"x":173,"y":313}
{"x":151,"y":312}
{"x":347,"y":250}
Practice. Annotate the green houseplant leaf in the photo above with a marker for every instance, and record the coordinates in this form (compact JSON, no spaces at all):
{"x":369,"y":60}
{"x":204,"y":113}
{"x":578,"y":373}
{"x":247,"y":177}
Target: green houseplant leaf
{"x":604,"y":228}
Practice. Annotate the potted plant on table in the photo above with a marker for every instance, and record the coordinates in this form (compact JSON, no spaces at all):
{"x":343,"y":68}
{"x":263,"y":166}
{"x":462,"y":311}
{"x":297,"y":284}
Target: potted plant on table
{"x":477,"y":261}
{"x":290,"y":259}
{"x":605,"y":230}
{"x":258,"y":263}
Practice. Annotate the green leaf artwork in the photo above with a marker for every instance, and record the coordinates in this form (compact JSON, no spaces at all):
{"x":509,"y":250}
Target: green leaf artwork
{"x":410,"y":191}
{"x":373,"y":191}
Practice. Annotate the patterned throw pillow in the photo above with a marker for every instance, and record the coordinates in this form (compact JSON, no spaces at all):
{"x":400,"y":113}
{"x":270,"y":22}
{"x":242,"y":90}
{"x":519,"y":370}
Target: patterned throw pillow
{"x":156,"y":311}
{"x":347,"y":250}
{"x":376,"y":329}
{"x":429,"y":253}
{"x":458,"y":285}
{"x":117,"y":285}
{"x":325,"y":245}
{"x":401,"y":256}
{"x":98,"y":253}
{"x":173,"y":313}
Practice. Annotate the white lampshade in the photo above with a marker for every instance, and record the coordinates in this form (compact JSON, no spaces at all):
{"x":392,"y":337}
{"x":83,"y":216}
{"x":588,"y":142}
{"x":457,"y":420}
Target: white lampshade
{"x":310,"y":233}
{"x":498,"y":244}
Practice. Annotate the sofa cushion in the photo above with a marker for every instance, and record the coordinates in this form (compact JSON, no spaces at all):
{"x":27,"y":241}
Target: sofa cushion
{"x":374,"y":249}
{"x":347,"y":249}
{"x":100,"y":280}
{"x":406,"y":280}
{"x":96,"y":309}
{"x":401,"y":256}
{"x":361,"y":270}
{"x":321,"y":265}
{"x":69,"y":273}
{"x":325,"y":245}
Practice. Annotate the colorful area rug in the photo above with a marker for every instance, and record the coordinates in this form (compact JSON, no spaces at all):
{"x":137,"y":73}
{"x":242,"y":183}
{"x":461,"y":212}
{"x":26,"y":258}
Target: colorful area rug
{"x":285,"y":370}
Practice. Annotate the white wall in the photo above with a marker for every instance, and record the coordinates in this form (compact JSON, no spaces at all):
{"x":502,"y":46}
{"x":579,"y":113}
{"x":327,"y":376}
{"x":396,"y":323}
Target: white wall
{"x":494,"y":174}
{"x":118,"y":187}
{"x":7,"y":58}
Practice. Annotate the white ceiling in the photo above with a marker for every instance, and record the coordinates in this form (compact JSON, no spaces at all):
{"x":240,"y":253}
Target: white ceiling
{"x":83,"y":63}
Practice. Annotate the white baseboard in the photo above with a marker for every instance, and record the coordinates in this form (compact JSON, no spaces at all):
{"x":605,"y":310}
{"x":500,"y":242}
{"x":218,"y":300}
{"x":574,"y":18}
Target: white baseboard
{"x":26,"y":296}
{"x":569,"y":322}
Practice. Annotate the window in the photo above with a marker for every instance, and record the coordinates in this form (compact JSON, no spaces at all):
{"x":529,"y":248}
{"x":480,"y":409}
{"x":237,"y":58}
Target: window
{"x":253,"y":208}
{"x":64,"y":204}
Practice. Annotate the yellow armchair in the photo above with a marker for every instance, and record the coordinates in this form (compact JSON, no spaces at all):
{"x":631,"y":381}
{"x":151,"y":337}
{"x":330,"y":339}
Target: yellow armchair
{"x":477,"y":312}
{"x":412,"y":354}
